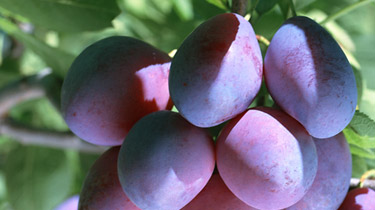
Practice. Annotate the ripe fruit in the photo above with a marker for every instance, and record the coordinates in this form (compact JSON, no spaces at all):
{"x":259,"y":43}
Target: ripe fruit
{"x":359,"y":199}
{"x":101,"y":189}
{"x":112,"y":84}
{"x":309,"y":77}
{"x":165,"y":161}
{"x":266,"y":158}
{"x":217,"y":71}
{"x":69,"y":204}
{"x":333,"y":177}
{"x":216,"y":195}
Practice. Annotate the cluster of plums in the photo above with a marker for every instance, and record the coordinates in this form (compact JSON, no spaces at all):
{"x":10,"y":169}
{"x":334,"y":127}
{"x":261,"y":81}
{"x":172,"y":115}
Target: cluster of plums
{"x":119,"y":90}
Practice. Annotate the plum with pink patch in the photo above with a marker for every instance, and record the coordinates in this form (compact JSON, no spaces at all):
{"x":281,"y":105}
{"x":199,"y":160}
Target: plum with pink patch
{"x":165,"y":161}
{"x":101,"y":189}
{"x":216,"y":195}
{"x":217,"y":71}
{"x":333,"y":177}
{"x":112,"y":84}
{"x":310,"y":78}
{"x":359,"y":199}
{"x":266,"y":158}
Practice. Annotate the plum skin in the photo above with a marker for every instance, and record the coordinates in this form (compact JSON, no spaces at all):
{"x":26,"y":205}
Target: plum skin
{"x":332,"y":180}
{"x":359,"y":199}
{"x":266,"y":158}
{"x":101,"y":189}
{"x":217,"y":71}
{"x":112,"y":84}
{"x":309,"y":77}
{"x":165,"y":161}
{"x":69,"y":204}
{"x":216,"y":195}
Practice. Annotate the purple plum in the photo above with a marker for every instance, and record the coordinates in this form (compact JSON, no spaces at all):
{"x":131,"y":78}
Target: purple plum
{"x":165,"y":161}
{"x":266,"y":158}
{"x":101,"y":189}
{"x":111,"y":85}
{"x":309,"y":77}
{"x":333,"y":177}
{"x":217,"y":71}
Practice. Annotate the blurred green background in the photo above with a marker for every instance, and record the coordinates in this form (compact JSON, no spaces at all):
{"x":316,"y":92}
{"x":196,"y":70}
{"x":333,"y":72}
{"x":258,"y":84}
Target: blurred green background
{"x":36,"y":35}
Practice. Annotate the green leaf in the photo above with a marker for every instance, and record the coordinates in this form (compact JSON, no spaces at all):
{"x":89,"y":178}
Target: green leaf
{"x":31,"y":63}
{"x":65,"y":15}
{"x":358,"y":140}
{"x":5,"y":77}
{"x":359,"y":82}
{"x":362,"y":124}
{"x":39,"y":113}
{"x":222,"y":4}
{"x":84,"y":165}
{"x":184,"y":9}
{"x":2,"y":187}
{"x":359,"y":166}
{"x":264,"y":6}
{"x":37,"y":178}
{"x":57,"y":59}
{"x":299,"y":4}
{"x":361,"y":152}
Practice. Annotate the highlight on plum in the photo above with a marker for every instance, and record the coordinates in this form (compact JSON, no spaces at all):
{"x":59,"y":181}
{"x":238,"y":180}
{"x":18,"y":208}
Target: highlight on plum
{"x":217,"y":71}
{"x":111,"y":85}
{"x":266,"y":158}
{"x":165,"y":161}
{"x":310,"y":78}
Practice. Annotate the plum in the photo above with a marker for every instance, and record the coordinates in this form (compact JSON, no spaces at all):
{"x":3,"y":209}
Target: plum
{"x":266,"y":158}
{"x":101,"y":189}
{"x":309,"y":77}
{"x":217,"y":71}
{"x":111,"y":85}
{"x":69,"y":204}
{"x":165,"y":161}
{"x":359,"y":199}
{"x":216,"y":195}
{"x":333,"y":177}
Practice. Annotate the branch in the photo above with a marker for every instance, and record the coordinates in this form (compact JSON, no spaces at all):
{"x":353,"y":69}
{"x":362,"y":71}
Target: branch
{"x":239,"y":7}
{"x":345,"y":11}
{"x":41,"y":85}
{"x":18,"y":92}
{"x":53,"y":139}
{"x":370,"y":183}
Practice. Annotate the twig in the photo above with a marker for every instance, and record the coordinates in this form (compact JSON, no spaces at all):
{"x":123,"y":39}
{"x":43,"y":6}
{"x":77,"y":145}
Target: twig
{"x":239,"y":7}
{"x":53,"y":139}
{"x":345,"y":11}
{"x":18,"y":92}
{"x":354,"y":182}
{"x":41,"y":85}
{"x":263,"y":40}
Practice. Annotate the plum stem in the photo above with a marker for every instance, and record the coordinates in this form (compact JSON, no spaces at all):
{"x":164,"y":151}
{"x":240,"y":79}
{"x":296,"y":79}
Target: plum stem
{"x":355,"y":182}
{"x":345,"y":10}
{"x":365,"y":176}
{"x":292,"y":8}
{"x":263,"y":40}
{"x":239,"y":7}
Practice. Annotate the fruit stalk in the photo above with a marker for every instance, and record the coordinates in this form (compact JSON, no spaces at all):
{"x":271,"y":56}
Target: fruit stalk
{"x":239,"y":7}
{"x":354,"y":182}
